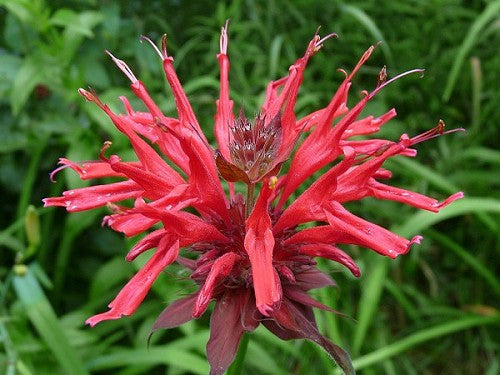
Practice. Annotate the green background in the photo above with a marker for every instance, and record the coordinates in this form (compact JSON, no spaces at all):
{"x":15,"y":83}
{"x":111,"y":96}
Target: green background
{"x":431,"y":311}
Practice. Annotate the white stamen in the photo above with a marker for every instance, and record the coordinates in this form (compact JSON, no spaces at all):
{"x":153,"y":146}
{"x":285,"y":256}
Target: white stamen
{"x":123,"y":67}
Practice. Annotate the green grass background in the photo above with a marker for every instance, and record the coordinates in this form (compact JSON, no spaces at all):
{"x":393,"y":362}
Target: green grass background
{"x":433,"y":311}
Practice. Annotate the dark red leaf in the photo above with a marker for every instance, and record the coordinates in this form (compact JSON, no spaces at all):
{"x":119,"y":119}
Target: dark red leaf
{"x":177,"y":313}
{"x":225,"y":333}
{"x":228,"y":171}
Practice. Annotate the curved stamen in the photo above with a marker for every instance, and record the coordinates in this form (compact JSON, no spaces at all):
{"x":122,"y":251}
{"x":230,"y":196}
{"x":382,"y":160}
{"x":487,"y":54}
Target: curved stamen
{"x":320,"y":42}
{"x":155,"y":47}
{"x":105,"y":146}
{"x":56,"y":171}
{"x":123,"y":67}
{"x":436,"y":131}
{"x":381,"y":86}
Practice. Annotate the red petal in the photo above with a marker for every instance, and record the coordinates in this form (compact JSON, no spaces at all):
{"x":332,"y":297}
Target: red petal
{"x":224,"y":116}
{"x":148,"y":242}
{"x":93,"y":169}
{"x":319,"y":148}
{"x":95,"y":196}
{"x":148,"y":157}
{"x":168,"y":143}
{"x":367,"y":234}
{"x":307,"y":207}
{"x":186,"y":114}
{"x":155,"y":187}
{"x":132,"y":221}
{"x":187,"y":227}
{"x":331,"y":252}
{"x":382,"y":191}
{"x":204,"y":180}
{"x":259,"y":244}
{"x":129,"y":223}
{"x":220,"y":269}
{"x":132,"y":294}
{"x":368,"y":125}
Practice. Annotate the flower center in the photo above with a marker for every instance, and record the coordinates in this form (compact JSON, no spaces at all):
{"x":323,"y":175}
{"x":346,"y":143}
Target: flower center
{"x":253,"y":147}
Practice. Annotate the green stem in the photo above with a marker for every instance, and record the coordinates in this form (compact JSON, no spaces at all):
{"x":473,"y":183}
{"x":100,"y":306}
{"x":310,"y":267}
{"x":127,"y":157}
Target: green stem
{"x":29,"y":181}
{"x":237,"y":365}
{"x":250,"y":199}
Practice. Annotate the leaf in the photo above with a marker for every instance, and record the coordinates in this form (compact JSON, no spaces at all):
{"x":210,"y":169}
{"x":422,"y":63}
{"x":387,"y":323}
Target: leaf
{"x":177,"y":313}
{"x":80,"y":23}
{"x":225,"y":333}
{"x":168,"y":355}
{"x":43,"y":317}
{"x":9,"y":66}
{"x":489,"y":14}
{"x":28,"y":76}
{"x":423,"y":219}
{"x":371,"y":26}
{"x":421,"y":336}
{"x":229,"y":171}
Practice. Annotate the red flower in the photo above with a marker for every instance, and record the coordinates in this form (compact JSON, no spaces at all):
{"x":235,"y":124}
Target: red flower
{"x":250,"y":255}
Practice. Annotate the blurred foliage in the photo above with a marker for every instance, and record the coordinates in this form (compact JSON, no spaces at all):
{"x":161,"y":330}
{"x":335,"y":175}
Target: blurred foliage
{"x":58,"y":269}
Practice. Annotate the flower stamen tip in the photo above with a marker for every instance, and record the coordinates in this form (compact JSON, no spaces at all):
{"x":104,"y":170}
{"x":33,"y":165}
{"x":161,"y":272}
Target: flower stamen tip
{"x":272,"y":182}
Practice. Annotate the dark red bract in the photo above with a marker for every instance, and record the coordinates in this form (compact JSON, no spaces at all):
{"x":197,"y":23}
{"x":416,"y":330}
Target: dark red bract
{"x":250,"y":254}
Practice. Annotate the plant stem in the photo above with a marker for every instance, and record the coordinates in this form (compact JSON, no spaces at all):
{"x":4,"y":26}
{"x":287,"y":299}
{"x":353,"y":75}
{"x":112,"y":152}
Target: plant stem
{"x":237,"y":365}
{"x":250,"y":199}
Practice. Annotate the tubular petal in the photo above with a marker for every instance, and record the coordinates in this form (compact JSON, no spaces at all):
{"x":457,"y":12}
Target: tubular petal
{"x":132,"y":294}
{"x":259,"y":245}
{"x":220,"y":268}
{"x":95,"y":196}
{"x":368,"y":234}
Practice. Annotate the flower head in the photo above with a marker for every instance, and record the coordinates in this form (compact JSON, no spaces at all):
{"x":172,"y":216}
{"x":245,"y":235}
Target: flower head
{"x":247,"y":253}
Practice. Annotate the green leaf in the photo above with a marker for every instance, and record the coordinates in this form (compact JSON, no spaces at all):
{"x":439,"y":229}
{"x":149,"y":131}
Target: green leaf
{"x":28,"y":76}
{"x":423,"y":336}
{"x":489,"y":14}
{"x":424,"y":219}
{"x":80,"y":23}
{"x":9,"y":65}
{"x":44,"y":319}
{"x":168,"y":355}
{"x":370,"y":25}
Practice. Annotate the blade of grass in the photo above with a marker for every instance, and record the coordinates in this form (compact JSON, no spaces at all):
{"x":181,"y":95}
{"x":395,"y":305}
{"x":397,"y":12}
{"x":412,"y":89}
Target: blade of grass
{"x":372,"y":287}
{"x":423,"y":336}
{"x":483,"y":154}
{"x":368,"y":23}
{"x":167,"y":355}
{"x":370,"y":297}
{"x":43,"y":317}
{"x":469,"y":259}
{"x":477,"y":83}
{"x":423,"y":219}
{"x":416,"y":169}
{"x":490,"y":13}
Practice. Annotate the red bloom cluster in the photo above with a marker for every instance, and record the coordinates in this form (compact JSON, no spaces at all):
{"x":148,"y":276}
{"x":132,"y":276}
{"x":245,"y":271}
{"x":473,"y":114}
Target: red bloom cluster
{"x":246,"y":253}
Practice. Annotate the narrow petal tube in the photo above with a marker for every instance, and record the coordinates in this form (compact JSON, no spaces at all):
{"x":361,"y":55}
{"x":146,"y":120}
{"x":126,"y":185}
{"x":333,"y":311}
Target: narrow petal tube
{"x":132,"y":294}
{"x":259,"y":245}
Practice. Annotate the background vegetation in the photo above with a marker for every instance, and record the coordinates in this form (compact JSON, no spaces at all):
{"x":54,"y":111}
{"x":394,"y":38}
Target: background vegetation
{"x":432,"y":311}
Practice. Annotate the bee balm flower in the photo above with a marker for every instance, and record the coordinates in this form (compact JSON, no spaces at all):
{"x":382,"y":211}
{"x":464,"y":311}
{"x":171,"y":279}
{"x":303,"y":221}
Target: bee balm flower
{"x":246,"y":253}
